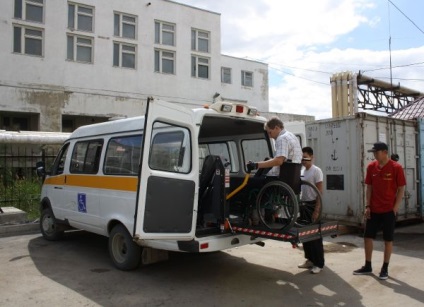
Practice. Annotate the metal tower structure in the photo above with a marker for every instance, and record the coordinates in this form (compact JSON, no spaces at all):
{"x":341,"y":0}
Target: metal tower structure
{"x":353,"y":92}
{"x":377,"y":95}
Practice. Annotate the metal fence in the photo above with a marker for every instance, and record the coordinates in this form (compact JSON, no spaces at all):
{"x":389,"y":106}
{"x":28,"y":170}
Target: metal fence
{"x":19,"y":152}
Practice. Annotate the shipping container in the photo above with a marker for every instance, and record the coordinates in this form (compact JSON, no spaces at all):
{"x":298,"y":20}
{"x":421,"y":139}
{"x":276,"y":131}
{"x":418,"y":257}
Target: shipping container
{"x":341,"y":150}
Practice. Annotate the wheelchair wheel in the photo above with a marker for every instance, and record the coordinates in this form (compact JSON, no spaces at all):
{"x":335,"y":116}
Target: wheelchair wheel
{"x":306,"y":209}
{"x":277,"y":205}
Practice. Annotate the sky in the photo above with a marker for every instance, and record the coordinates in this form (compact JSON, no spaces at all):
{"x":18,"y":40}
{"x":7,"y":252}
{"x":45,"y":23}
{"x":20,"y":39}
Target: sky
{"x":305,"y":42}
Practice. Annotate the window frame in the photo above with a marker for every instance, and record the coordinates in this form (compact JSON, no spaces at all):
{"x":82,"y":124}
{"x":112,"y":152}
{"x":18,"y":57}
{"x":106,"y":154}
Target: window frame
{"x":159,"y":32}
{"x":196,"y":37}
{"x":121,"y":53}
{"x":195,"y":66}
{"x":177,"y":161}
{"x":223,"y":75}
{"x":74,"y":167}
{"x":23,"y":36}
{"x":75,"y":48}
{"x":76,"y":13}
{"x":114,"y":170}
{"x":244,"y":77}
{"x":58,"y":166}
{"x":122,"y":23}
{"x":161,"y":57}
{"x":21,"y":12}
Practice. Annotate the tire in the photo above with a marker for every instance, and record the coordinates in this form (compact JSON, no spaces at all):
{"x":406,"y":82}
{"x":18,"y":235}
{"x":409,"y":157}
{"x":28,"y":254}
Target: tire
{"x":49,"y":228}
{"x":277,"y":205}
{"x":124,"y":252}
{"x":306,"y":209}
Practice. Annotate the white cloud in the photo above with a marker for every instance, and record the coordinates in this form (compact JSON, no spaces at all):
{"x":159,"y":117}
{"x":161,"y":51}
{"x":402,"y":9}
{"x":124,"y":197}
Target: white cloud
{"x":310,"y":40}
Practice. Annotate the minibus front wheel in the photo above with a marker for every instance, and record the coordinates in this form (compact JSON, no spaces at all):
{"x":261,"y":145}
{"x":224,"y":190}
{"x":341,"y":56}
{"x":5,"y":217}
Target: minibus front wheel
{"x":49,"y":228}
{"x":125,"y":253}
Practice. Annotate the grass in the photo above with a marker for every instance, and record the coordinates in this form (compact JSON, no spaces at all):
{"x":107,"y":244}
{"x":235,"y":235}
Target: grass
{"x":22,"y":194}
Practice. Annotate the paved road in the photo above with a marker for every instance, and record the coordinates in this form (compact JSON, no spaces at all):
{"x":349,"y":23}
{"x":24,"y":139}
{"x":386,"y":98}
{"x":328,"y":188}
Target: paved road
{"x":77,"y":272}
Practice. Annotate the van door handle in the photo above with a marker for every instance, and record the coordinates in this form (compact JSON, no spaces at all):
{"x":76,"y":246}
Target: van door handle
{"x":58,"y":188}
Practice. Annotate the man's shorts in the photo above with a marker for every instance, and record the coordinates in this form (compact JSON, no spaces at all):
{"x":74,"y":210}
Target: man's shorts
{"x":385,"y":221}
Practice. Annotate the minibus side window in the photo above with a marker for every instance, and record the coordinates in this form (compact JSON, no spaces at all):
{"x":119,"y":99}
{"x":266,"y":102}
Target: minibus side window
{"x":255,"y":150}
{"x":59,"y":163}
{"x":221,"y":150}
{"x":170,"y":149}
{"x":123,"y":155}
{"x":86,"y":157}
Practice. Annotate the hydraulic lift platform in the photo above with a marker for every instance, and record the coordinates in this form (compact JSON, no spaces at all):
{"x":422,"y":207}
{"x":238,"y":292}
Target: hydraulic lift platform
{"x":295,"y":235}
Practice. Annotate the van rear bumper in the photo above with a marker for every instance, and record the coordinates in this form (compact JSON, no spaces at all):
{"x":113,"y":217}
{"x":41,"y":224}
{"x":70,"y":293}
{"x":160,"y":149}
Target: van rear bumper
{"x":204,"y":244}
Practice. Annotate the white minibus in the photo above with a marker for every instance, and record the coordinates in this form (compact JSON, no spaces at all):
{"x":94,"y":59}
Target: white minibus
{"x":159,"y":182}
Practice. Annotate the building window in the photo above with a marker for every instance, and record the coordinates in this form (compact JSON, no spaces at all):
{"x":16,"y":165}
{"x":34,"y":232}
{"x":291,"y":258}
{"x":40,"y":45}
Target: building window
{"x":164,"y":33}
{"x":125,"y":25}
{"x":165,"y":61}
{"x":124,"y":55}
{"x":226,"y":75}
{"x":199,"y":40}
{"x":199,"y":67}
{"x":14,"y":123}
{"x":79,"y":48}
{"x":80,"y":17}
{"x":30,"y":10}
{"x":246,"y":78}
{"x":28,"y":40}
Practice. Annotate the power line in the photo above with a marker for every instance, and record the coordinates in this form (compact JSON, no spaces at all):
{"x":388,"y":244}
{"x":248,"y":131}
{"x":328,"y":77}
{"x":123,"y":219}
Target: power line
{"x":400,"y":79}
{"x":398,"y":66}
{"x":406,"y":17}
{"x":291,"y":74}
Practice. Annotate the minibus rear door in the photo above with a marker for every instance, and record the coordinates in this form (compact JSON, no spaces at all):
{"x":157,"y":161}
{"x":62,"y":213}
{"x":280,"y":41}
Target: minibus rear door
{"x":166,"y":200}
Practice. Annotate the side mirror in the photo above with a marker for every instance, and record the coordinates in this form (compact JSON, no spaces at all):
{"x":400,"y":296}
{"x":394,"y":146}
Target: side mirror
{"x":40,"y":169}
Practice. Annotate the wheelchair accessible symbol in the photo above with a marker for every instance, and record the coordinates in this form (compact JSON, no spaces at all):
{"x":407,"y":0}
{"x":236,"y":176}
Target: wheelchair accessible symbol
{"x":82,"y":203}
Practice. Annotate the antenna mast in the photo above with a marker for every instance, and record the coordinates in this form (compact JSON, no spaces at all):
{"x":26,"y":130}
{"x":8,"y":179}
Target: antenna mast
{"x":390,"y":45}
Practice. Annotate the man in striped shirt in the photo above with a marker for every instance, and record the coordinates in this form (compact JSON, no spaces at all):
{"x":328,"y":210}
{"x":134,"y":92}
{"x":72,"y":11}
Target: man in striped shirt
{"x":287,"y":148}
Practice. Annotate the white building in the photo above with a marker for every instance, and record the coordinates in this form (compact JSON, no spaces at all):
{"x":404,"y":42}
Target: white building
{"x":69,"y":63}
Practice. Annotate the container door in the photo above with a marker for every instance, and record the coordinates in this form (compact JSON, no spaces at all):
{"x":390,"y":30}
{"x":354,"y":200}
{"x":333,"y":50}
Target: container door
{"x":167,"y":194}
{"x":421,"y":168}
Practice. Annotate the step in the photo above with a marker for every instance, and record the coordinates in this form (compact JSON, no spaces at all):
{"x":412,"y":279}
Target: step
{"x":12,"y":215}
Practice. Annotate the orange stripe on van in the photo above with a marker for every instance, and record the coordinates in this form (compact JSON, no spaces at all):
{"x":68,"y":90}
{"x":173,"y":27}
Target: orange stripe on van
{"x":95,"y":181}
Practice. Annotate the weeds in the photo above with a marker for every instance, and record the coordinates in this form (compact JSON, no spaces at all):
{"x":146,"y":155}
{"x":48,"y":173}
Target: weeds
{"x":22,"y":194}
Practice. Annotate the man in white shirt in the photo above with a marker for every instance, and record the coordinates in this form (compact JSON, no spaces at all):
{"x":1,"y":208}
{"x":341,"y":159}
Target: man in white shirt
{"x":314,"y":250}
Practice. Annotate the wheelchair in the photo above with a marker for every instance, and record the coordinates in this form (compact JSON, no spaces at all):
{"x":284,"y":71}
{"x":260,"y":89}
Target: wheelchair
{"x":279,"y":202}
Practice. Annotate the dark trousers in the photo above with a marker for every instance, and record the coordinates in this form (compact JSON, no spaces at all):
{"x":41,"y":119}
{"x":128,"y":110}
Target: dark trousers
{"x":314,"y":251}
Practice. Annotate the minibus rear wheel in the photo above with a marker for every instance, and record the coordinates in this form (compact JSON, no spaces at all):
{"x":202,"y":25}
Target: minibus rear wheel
{"x":125,"y":253}
{"x":49,"y":227}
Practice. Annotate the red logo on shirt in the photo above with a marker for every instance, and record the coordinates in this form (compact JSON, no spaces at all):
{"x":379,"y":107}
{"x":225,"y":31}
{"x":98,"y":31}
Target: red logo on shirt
{"x":387,"y":176}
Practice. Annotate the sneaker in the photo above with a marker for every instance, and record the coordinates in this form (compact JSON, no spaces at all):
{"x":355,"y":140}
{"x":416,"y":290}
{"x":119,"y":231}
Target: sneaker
{"x":363,"y":271}
{"x":383,"y":275}
{"x":306,"y":265}
{"x":316,"y":270}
